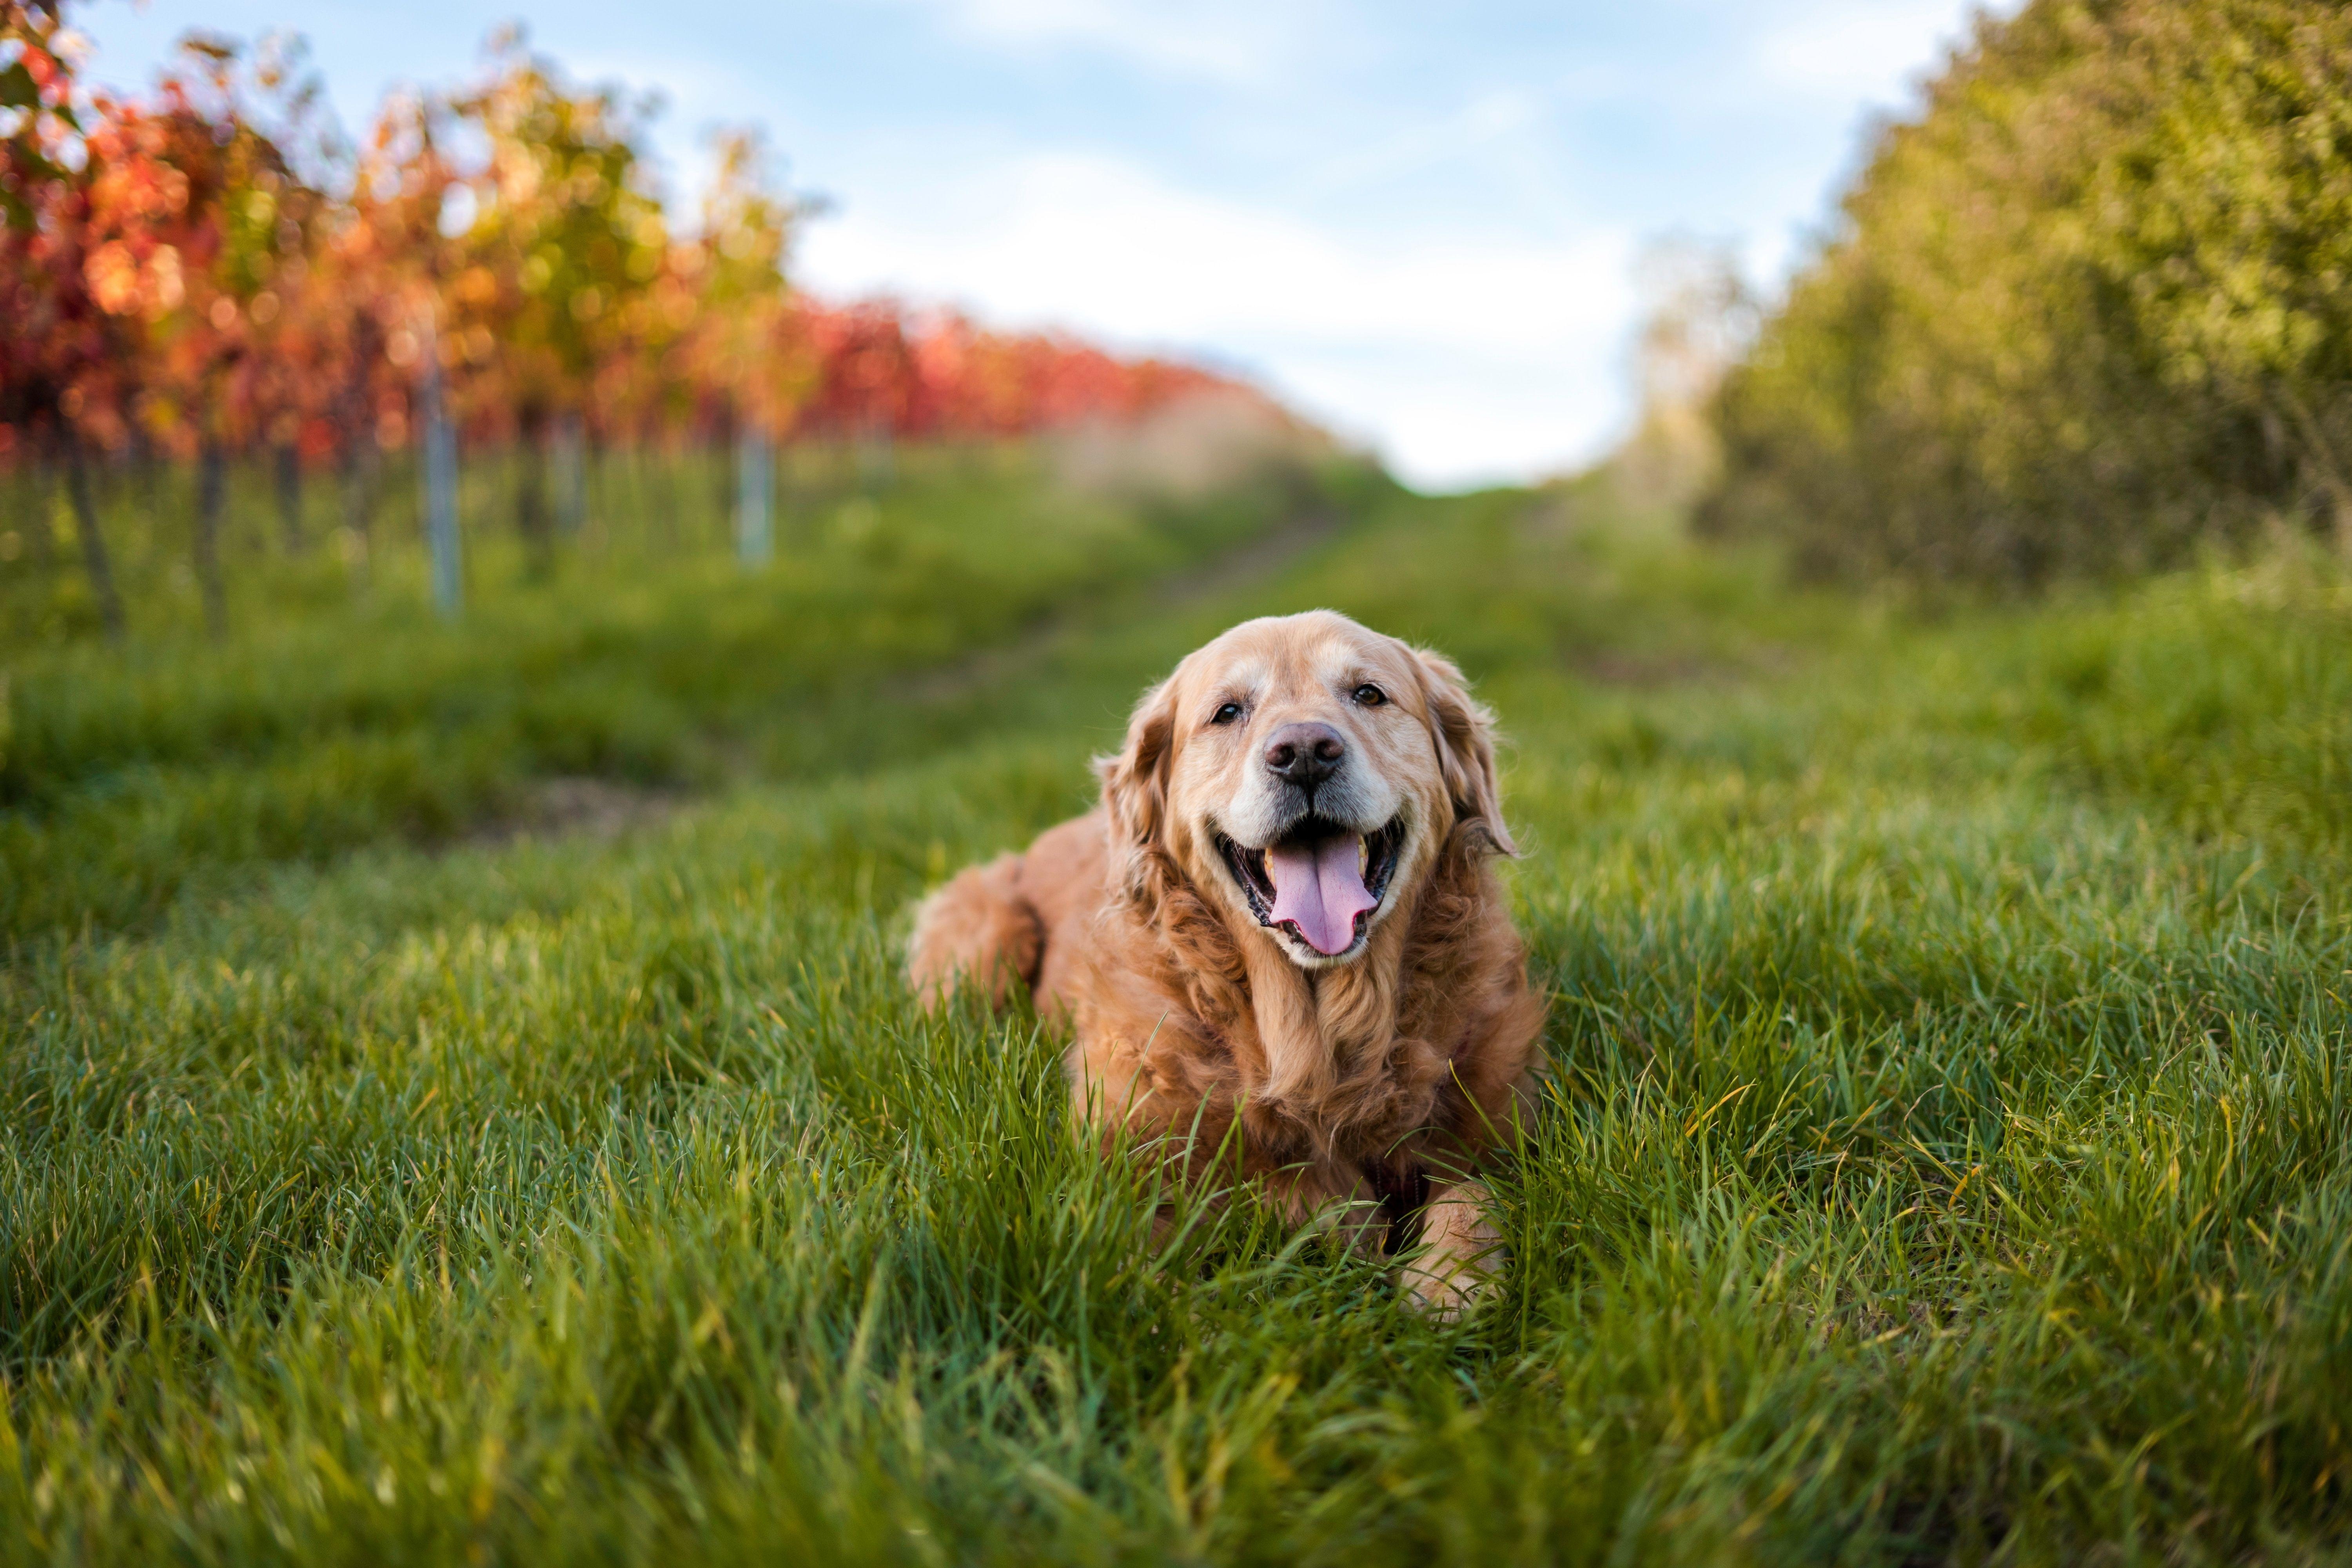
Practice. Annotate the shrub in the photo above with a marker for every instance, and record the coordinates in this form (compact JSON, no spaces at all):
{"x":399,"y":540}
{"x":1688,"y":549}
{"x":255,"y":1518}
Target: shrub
{"x":2091,"y":309}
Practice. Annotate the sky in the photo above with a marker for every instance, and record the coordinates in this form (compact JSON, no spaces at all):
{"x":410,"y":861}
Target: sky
{"x":1421,"y":225}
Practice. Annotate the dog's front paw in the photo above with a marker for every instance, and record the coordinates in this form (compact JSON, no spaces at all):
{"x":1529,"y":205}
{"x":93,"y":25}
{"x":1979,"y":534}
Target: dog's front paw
{"x":1444,"y":1297}
{"x":1458,"y":1256}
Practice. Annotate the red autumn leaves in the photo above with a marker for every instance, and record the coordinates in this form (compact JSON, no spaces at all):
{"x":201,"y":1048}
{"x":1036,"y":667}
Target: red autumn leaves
{"x":209,"y":266}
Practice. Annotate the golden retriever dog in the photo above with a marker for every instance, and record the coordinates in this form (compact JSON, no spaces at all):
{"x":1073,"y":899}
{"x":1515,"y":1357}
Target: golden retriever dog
{"x":1280,"y":932}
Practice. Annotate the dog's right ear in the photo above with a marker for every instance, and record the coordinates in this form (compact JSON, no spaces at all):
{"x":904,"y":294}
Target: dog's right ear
{"x":1135,"y":784}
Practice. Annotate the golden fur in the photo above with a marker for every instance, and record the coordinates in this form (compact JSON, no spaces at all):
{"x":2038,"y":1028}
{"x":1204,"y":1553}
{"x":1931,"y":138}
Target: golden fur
{"x":1366,"y":1086}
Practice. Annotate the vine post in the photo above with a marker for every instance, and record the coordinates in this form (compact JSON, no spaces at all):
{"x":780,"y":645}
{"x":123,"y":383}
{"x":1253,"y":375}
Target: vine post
{"x":441,"y":489}
{"x":755,"y":471}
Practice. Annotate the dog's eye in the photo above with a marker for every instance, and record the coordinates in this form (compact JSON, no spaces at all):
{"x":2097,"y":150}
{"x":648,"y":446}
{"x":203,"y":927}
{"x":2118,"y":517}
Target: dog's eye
{"x":1226,"y":714}
{"x":1370,"y":696}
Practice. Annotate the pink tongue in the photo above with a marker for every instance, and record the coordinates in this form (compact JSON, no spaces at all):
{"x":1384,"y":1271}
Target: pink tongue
{"x":1319,"y":890}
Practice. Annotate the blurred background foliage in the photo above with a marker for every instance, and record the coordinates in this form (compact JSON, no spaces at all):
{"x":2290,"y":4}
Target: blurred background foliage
{"x":210,"y":278}
{"x":2087,"y":314}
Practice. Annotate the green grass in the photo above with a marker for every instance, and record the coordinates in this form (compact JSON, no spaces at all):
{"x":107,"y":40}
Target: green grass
{"x":1946,"y":1158}
{"x":333,"y":717}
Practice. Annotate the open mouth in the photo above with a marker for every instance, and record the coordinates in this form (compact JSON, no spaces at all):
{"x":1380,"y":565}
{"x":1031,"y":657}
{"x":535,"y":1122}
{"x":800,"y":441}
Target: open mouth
{"x":1320,"y":881}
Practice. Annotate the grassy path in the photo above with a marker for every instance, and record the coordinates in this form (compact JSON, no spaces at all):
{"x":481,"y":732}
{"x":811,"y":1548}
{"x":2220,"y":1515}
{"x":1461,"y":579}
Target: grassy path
{"x":175,"y":768}
{"x":1947,"y":1158}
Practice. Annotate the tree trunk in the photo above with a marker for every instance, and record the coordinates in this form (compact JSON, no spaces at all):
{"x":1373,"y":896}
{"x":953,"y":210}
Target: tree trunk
{"x":596,"y":491}
{"x":359,"y":474}
{"x":724,"y":488}
{"x":40,"y":540}
{"x":93,"y":544}
{"x":646,"y":504}
{"x":363,"y":459}
{"x":289,"y":462}
{"x":533,"y":520}
{"x":650,"y":466}
{"x":212,"y":474}
{"x":571,"y":475}
{"x":877,"y":462}
{"x":147,"y":470}
{"x":2319,"y":456}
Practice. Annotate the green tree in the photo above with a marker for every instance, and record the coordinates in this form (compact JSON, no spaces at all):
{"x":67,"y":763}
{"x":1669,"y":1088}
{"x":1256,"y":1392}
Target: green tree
{"x":563,"y":237}
{"x":2086,"y":311}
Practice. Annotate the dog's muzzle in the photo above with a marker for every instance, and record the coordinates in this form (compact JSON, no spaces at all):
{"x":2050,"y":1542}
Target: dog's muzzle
{"x":1320,"y":881}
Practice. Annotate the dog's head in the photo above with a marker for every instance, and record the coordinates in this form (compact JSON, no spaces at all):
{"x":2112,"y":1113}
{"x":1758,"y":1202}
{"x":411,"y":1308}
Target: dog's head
{"x":1304,"y":772}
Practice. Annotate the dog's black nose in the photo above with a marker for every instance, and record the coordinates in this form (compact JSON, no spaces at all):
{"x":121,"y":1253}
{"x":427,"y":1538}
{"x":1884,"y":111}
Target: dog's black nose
{"x":1305,"y":754}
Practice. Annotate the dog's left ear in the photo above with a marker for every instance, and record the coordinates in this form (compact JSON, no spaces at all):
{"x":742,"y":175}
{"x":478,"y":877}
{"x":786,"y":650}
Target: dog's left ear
{"x":1135,"y":784}
{"x":1464,"y":733}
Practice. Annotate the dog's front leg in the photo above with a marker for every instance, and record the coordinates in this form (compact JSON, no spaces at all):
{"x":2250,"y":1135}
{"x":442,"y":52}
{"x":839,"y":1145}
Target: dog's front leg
{"x":1349,"y":1215}
{"x":1459,"y":1252}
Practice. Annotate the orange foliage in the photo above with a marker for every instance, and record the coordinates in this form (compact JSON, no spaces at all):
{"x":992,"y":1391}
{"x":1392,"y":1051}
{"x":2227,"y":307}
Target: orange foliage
{"x":205,"y":264}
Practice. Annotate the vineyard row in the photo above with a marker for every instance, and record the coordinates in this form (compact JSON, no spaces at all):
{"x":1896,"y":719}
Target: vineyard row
{"x":211,"y":273}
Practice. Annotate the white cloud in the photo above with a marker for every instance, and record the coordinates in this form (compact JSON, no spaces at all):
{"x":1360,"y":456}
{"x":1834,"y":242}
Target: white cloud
{"x":1464,"y":356}
{"x":1236,"y":42}
{"x":1487,"y":117}
{"x":1868,"y":51}
{"x":1446,"y":420}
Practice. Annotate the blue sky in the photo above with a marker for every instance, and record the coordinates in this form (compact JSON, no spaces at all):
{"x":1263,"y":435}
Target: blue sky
{"x":1419,"y":223}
